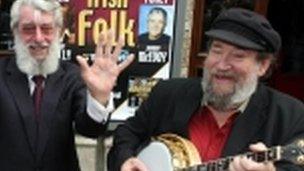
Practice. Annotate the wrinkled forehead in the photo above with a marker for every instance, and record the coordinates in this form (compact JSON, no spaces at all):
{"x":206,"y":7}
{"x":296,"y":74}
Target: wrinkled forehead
{"x":30,"y":15}
{"x":157,"y":14}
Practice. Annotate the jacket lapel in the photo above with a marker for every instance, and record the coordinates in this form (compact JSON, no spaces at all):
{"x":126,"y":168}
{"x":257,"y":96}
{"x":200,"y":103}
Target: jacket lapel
{"x":52,"y":91}
{"x":19,"y":88}
{"x":247,"y":125}
{"x":189,"y":101}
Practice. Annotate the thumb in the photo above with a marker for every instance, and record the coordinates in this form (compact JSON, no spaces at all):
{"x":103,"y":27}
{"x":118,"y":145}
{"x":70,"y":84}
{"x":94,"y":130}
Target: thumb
{"x":140,"y":165}
{"x":258,"y":147}
{"x":83,"y":63}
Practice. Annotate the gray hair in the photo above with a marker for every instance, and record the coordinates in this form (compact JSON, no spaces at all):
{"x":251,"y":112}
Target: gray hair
{"x":41,"y":5}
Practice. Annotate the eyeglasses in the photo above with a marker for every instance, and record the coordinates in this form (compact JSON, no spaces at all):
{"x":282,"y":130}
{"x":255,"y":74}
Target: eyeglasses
{"x":31,"y":29}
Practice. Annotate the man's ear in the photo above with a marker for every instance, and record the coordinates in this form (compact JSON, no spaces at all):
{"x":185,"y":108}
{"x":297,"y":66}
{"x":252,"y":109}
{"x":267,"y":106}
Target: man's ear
{"x":264,"y":66}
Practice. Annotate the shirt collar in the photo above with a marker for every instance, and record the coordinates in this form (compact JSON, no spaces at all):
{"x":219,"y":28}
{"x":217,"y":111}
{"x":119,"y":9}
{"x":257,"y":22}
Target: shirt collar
{"x":241,"y":108}
{"x":31,"y":76}
{"x":244,"y":105}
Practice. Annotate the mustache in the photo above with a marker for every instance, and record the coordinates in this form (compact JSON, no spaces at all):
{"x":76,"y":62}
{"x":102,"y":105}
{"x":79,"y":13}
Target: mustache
{"x":37,"y":45}
{"x":224,"y":74}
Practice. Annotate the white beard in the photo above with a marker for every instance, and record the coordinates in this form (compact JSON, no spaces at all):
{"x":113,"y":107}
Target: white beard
{"x":223,"y":102}
{"x":28,"y":65}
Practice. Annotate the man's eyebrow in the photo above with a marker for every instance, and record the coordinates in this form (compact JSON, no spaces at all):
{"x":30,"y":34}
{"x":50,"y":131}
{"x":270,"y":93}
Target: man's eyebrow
{"x":26,"y":22}
{"x":241,"y":48}
{"x":216,"y":44}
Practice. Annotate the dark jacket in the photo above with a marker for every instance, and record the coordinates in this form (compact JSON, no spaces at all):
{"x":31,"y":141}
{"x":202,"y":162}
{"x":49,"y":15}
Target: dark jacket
{"x":270,"y":117}
{"x":63,"y":108}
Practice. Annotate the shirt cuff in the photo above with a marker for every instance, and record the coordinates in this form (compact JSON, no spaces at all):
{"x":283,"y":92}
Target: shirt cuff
{"x":97,"y":111}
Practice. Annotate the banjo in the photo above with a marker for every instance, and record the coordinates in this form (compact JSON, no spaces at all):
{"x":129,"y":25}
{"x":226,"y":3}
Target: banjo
{"x":170,"y":152}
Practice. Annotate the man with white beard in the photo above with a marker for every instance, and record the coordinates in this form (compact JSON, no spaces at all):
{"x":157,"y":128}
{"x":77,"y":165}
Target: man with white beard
{"x":226,"y":113}
{"x":43,"y":100}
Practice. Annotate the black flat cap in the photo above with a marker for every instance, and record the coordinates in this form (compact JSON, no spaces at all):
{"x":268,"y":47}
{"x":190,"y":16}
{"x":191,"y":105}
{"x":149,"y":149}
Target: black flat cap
{"x":246,"y":29}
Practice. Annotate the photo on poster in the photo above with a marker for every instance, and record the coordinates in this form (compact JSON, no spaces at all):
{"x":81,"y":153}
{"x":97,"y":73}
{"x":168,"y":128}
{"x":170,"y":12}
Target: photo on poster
{"x":139,"y":89}
{"x":155,"y":25}
{"x":155,"y":34}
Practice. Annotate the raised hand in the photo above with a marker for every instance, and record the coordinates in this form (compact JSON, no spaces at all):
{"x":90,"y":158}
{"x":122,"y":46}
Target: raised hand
{"x":101,"y":76}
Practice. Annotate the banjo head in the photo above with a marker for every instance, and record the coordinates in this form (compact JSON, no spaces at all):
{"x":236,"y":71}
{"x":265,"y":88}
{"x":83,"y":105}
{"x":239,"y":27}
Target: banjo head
{"x":156,"y":157}
{"x":169,"y":152}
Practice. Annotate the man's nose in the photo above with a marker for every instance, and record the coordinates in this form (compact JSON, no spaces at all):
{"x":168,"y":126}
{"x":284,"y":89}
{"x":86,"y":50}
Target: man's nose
{"x":223,"y":62}
{"x":39,"y":35}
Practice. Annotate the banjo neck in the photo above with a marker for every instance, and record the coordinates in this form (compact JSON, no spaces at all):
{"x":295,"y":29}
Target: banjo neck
{"x":222,"y":164}
{"x":175,"y":153}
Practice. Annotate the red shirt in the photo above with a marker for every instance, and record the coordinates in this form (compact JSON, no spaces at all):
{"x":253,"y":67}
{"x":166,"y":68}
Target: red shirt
{"x":207,"y":136}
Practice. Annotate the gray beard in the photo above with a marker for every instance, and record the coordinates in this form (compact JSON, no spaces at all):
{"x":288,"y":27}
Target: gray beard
{"x":228,"y":101}
{"x":28,"y":65}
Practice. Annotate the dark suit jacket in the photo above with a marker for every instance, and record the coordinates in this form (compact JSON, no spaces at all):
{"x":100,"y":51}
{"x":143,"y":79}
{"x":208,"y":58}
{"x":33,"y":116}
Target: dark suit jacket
{"x":270,"y":117}
{"x":63,"y":108}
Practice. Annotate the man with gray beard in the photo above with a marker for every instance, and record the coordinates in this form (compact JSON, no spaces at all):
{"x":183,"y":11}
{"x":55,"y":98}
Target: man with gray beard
{"x":44,"y":101}
{"x":226,"y":113}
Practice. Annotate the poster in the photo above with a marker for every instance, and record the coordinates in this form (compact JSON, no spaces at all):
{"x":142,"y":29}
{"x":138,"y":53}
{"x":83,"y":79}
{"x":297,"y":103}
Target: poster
{"x":147,"y":27}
